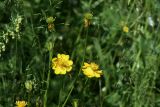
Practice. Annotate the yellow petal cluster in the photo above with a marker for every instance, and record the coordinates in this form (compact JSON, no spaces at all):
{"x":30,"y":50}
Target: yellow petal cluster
{"x":125,"y":29}
{"x":91,"y":70}
{"x":61,"y":64}
{"x":21,"y":103}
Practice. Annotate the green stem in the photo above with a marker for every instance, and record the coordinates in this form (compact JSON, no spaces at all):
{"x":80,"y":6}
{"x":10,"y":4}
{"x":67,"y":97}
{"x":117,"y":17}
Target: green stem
{"x":48,"y":79}
{"x":68,"y":96}
{"x":79,"y":70}
{"x":84,"y":54}
{"x":100,"y":93}
{"x":29,"y":97}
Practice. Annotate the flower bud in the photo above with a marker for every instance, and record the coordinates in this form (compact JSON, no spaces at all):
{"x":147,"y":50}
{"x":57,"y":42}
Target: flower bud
{"x":28,"y":85}
{"x":88,"y":16}
{"x":50,"y":20}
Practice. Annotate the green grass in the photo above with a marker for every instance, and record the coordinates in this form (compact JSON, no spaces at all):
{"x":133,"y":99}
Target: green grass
{"x":130,"y":61}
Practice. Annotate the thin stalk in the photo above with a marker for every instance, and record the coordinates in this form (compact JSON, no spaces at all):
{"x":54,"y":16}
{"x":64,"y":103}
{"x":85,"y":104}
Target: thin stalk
{"x":79,"y":71}
{"x":29,"y":97}
{"x":68,"y":96}
{"x":100,"y":94}
{"x":85,"y":45}
{"x":48,"y":79}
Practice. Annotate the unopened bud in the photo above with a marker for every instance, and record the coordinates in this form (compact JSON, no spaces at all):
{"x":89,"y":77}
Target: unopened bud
{"x":29,"y":85}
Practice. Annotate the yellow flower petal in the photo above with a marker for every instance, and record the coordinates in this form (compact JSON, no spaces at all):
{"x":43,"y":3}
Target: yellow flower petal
{"x":70,"y":62}
{"x":86,"y":65}
{"x":89,"y":72}
{"x":68,"y":69}
{"x":54,"y":59}
{"x":60,"y":70}
{"x":97,"y":75}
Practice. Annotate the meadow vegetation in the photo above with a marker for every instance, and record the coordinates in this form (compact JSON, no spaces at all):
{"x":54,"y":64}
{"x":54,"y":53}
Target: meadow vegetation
{"x":79,"y":53}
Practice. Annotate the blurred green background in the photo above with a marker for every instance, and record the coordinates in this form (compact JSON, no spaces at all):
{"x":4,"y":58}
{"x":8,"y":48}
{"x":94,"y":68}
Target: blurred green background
{"x":130,"y":61}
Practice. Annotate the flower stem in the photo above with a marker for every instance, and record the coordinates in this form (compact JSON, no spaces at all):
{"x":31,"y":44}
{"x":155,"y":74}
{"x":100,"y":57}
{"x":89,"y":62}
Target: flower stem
{"x":48,"y":79}
{"x":68,"y":96}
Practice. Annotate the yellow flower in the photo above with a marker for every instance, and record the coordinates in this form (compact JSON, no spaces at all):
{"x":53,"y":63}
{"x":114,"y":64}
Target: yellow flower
{"x":21,"y":103}
{"x":91,"y":70}
{"x":125,"y":29}
{"x":61,"y":64}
